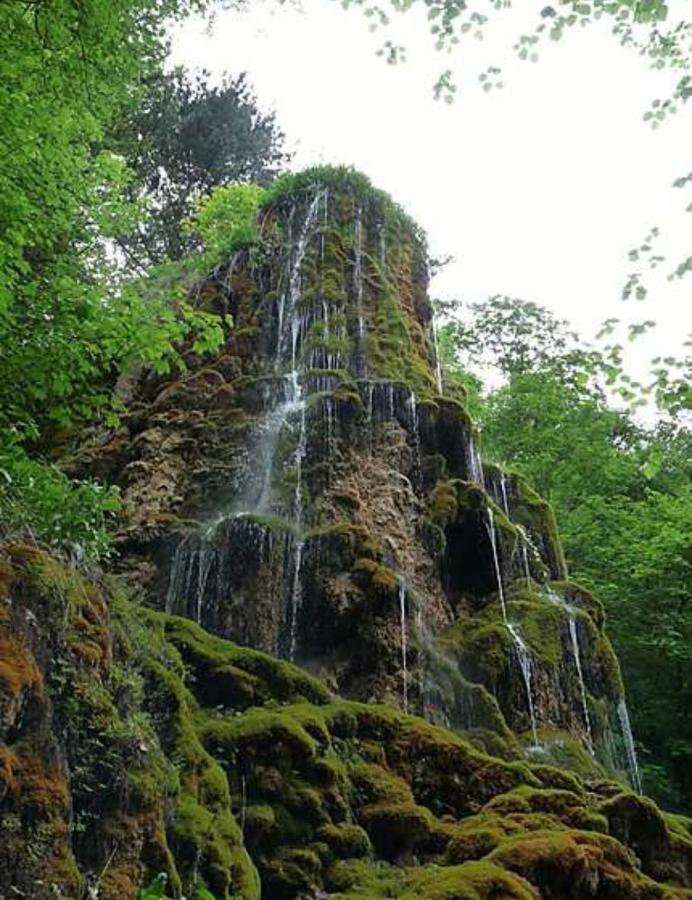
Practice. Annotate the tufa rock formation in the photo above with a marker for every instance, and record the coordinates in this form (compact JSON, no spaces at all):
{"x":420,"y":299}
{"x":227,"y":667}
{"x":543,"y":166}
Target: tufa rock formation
{"x":340,"y":656}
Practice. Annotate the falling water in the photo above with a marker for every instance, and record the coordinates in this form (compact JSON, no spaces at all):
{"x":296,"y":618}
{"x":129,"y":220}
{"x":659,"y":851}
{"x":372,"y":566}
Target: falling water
{"x":503,"y":493}
{"x":272,"y":427}
{"x":576,"y":654}
{"x":574,"y":637}
{"x":358,"y":271}
{"x":299,"y":541}
{"x":528,"y":546}
{"x":526,"y":666}
{"x":330,"y":425}
{"x":415,"y":431}
{"x":490,"y":526}
{"x":296,"y":403}
{"x":404,"y":655}
{"x":371,"y":391}
{"x":438,"y":363}
{"x":293,"y":293}
{"x":474,"y":462}
{"x":180,"y":581}
{"x":628,"y":737}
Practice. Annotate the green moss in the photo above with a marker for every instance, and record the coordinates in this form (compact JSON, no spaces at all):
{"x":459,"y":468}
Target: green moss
{"x":472,"y":844}
{"x":578,"y":596}
{"x":304,"y":768}
{"x":259,"y":822}
{"x":562,"y":750}
{"x":346,"y":841}
{"x":542,"y":626}
{"x":537,"y":516}
{"x":396,"y":827}
{"x":256,"y":734}
{"x":375,"y":577}
{"x":374,"y":783}
{"x":551,"y":777}
{"x":361,"y":880}
{"x":482,"y":646}
{"x":444,"y":505}
{"x":469,"y":881}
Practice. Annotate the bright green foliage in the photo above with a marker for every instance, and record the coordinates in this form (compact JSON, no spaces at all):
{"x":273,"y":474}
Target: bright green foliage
{"x":66,"y":325}
{"x":37,"y":499}
{"x":623,"y":498}
{"x":227,"y":219}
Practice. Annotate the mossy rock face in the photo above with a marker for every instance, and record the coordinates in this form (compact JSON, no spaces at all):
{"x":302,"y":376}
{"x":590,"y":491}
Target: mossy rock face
{"x":220,"y":766}
{"x":282,"y":490}
{"x":306,"y":494}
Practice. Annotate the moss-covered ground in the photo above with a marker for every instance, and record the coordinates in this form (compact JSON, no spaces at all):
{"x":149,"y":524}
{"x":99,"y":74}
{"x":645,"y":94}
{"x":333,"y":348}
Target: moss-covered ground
{"x":135,"y":743}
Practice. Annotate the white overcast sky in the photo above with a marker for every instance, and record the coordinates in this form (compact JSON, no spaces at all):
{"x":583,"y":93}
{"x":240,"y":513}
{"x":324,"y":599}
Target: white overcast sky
{"x":538,"y":190}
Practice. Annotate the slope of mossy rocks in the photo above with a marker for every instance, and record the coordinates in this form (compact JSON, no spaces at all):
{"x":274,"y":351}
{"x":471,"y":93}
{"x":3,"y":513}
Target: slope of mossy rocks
{"x":134,"y":743}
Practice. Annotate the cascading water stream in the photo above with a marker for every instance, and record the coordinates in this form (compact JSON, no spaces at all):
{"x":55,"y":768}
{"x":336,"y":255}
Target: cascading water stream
{"x":292,"y":295}
{"x":523,"y":653}
{"x":297,"y":513}
{"x":474,"y":462}
{"x":630,"y":751}
{"x":415,"y":431}
{"x":576,"y":654}
{"x":574,"y":637}
{"x":358,"y":273}
{"x":438,"y":363}
{"x":404,"y":652}
{"x":524,"y":551}
{"x":526,"y":666}
{"x":503,"y":494}
{"x":490,"y":527}
{"x":289,"y":311}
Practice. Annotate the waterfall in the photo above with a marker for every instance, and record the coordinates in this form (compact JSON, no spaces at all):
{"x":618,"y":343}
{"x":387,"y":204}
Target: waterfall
{"x":446,"y":697}
{"x":371,"y":424}
{"x":503,"y":494}
{"x":358,"y":272}
{"x":576,"y":655}
{"x":630,"y":751}
{"x":404,"y":654}
{"x":330,"y":426}
{"x":299,"y":540}
{"x":490,"y":526}
{"x":474,"y":464}
{"x":526,"y":666}
{"x":274,"y":423}
{"x":528,"y":546}
{"x":415,"y":430}
{"x":294,"y":285}
{"x":574,"y":637}
{"x":438,"y":364}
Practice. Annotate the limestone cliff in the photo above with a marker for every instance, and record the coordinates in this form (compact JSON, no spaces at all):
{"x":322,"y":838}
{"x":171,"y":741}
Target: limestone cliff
{"x":416,"y":702}
{"x":313,"y":493}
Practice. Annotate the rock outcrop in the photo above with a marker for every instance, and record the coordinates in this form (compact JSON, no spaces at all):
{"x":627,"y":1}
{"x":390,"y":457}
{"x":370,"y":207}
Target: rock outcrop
{"x":416,"y":703}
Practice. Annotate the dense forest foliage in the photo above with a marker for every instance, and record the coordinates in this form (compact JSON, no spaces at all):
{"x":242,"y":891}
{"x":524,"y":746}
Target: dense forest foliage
{"x":104,"y":159}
